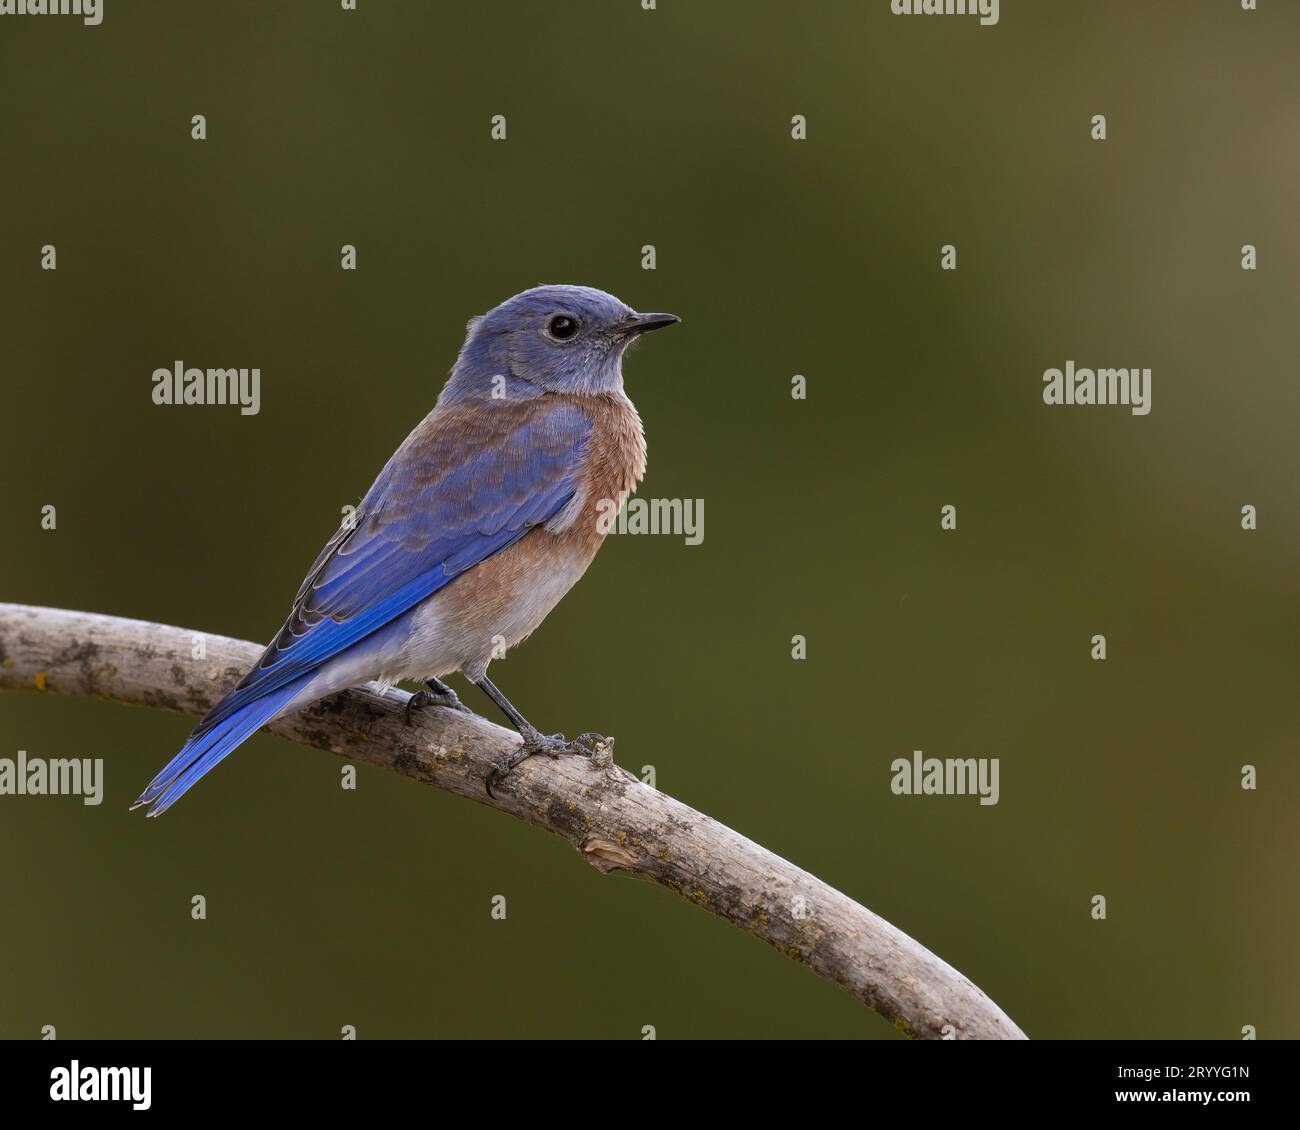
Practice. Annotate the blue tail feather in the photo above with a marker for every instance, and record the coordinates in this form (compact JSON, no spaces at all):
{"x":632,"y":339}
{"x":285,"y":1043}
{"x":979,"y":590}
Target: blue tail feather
{"x":205,"y":750}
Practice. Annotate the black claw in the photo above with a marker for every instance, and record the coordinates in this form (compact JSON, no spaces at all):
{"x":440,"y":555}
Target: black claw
{"x":417,"y":701}
{"x":502,"y":767}
{"x":550,"y":744}
{"x":439,"y":694}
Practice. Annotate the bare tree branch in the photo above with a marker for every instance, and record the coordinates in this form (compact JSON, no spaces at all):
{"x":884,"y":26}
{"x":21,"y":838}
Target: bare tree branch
{"x":614,"y":820}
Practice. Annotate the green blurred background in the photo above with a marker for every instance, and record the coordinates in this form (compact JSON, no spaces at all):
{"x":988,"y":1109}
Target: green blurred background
{"x":672,"y":128}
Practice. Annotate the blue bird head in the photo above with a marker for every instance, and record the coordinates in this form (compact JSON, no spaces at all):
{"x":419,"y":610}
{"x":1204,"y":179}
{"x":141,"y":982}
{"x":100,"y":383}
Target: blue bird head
{"x":549,"y":339}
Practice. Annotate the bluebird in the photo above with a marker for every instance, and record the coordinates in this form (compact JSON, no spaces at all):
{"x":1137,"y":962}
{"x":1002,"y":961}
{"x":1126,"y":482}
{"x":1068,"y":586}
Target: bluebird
{"x":484,"y":517}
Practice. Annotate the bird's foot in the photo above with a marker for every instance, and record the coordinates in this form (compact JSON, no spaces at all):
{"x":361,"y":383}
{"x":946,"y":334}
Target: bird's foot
{"x":585,"y":745}
{"x":438,"y":694}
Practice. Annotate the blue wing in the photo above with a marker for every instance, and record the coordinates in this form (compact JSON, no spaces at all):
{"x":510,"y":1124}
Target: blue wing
{"x":468,"y":482}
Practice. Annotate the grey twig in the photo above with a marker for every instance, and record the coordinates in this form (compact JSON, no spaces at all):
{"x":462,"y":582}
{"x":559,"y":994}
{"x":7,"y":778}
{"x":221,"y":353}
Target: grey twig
{"x":614,"y":820}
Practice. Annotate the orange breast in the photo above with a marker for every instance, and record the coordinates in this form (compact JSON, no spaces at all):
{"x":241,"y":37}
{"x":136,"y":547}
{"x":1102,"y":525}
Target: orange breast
{"x":615,"y":463}
{"x":509,"y":594}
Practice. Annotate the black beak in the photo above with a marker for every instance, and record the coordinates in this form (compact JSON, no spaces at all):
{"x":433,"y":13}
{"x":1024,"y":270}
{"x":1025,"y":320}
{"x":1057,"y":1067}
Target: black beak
{"x":643,"y":323}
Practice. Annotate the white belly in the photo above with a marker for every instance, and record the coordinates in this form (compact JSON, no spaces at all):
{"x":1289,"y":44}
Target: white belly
{"x":457,"y":630}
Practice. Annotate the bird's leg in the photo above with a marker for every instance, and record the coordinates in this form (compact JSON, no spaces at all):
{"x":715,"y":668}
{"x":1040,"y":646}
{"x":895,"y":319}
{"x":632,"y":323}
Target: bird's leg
{"x":438,"y":694}
{"x":534,"y":742}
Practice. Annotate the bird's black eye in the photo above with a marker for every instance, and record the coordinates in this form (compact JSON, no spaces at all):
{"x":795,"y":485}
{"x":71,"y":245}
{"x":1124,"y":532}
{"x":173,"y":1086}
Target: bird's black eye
{"x":562,"y":327}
